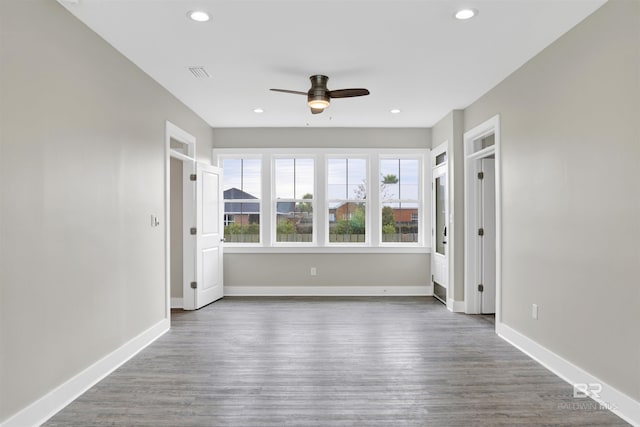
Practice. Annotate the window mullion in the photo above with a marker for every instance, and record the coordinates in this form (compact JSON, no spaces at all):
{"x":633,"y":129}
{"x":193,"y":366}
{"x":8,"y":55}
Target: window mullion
{"x":321,"y":207}
{"x":268,"y":178}
{"x":375,"y":220}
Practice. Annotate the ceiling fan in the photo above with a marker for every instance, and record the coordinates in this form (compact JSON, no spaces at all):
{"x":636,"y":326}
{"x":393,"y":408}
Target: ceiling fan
{"x":319,"y":97}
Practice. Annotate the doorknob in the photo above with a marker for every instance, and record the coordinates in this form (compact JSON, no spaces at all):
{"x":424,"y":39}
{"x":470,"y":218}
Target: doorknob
{"x":223,"y":240}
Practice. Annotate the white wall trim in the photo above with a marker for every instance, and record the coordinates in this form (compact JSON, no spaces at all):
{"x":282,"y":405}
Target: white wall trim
{"x":47,"y":406}
{"x":425,"y":290}
{"x":620,"y":404}
{"x":176,"y":303}
{"x":471,"y":242}
{"x":455,"y":306}
{"x":229,"y":248}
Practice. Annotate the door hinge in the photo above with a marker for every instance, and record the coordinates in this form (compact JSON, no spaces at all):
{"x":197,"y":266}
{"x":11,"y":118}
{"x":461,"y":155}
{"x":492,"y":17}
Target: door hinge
{"x":432,"y":278}
{"x":194,"y":285}
{"x":480,"y":231}
{"x":193,"y":177}
{"x":193,"y":231}
{"x":480,"y":288}
{"x":480,"y":175}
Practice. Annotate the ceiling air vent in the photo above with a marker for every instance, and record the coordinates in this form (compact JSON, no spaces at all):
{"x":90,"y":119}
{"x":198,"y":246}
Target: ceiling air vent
{"x":199,"y":72}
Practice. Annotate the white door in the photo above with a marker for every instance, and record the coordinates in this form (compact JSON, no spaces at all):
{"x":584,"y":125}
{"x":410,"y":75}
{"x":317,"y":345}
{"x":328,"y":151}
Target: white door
{"x":440,"y":233}
{"x":488,"y":239}
{"x":207,"y":239}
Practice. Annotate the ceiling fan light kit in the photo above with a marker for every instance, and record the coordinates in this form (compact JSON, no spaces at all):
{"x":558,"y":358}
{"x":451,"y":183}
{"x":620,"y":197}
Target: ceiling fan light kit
{"x":319,"y":97}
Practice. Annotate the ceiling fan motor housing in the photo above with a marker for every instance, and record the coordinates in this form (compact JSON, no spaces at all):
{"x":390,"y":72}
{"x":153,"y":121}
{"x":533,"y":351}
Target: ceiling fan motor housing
{"x":318,"y":91}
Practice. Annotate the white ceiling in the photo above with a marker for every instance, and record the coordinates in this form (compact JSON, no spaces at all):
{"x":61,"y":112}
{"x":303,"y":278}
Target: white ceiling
{"x":411,"y":54}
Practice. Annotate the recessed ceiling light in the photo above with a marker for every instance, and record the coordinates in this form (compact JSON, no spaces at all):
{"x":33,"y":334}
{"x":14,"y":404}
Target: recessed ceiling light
{"x":464,"y":14}
{"x":258,"y":110}
{"x":198,"y":16}
{"x":395,"y":111}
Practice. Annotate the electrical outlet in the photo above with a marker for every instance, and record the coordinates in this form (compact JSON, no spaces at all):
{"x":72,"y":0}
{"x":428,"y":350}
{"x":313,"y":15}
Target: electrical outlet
{"x":313,"y":271}
{"x":534,"y":311}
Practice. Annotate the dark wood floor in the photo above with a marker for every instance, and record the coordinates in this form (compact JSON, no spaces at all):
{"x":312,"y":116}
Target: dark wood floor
{"x":331,"y":362}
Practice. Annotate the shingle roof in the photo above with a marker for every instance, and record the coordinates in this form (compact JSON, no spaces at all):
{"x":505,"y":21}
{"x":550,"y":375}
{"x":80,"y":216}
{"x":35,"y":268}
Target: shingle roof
{"x":232,"y":208}
{"x":234,"y":193}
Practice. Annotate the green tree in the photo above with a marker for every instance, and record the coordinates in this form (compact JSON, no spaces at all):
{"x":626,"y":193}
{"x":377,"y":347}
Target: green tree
{"x":357,"y":223}
{"x":385,"y":181}
{"x":388,"y":229}
{"x":286,"y":227}
{"x":233,"y":228}
{"x":388,"y":217}
{"x":306,"y":206}
{"x":253,"y":228}
{"x":340,"y":227}
{"x":390,"y":179}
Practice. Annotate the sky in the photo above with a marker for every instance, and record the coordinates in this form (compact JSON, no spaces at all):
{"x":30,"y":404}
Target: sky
{"x":345,"y":177}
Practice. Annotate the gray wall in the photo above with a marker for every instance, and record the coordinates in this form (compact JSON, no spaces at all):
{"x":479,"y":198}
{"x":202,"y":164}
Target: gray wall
{"x":322,"y":138}
{"x":176,"y":228}
{"x":81,"y":171}
{"x":571,"y":194}
{"x":333,"y":269}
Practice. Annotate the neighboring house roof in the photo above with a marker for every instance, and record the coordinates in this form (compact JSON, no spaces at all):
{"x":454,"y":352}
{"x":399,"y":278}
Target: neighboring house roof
{"x":234,"y":193}
{"x":231,"y":208}
{"x":247,"y":208}
{"x":285,"y":208}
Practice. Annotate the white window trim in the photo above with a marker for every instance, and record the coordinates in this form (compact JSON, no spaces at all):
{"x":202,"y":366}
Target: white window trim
{"x":424,"y":193}
{"x":368,"y":157}
{"x":320,"y":225}
{"x":274,"y":201}
{"x":218,"y":161}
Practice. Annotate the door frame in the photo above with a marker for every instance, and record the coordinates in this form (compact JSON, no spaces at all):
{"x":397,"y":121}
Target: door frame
{"x":435,"y":152}
{"x":472,"y":159}
{"x":173,"y":132}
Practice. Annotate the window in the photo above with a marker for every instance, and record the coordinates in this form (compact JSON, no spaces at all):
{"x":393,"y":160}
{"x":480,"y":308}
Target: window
{"x":241,"y":183}
{"x":400,"y":200}
{"x":324,"y":200}
{"x":347,"y":194}
{"x":294,"y":194}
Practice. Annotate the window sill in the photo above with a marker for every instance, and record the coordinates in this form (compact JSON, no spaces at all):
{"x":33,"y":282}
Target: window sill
{"x":327,"y":250}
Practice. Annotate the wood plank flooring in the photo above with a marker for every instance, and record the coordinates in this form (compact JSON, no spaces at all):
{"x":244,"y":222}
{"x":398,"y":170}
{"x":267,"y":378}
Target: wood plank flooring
{"x":331,"y":362}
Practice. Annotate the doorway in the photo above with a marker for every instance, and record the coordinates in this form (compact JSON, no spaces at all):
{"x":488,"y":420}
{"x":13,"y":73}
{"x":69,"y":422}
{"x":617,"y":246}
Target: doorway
{"x":482,"y":219}
{"x":180,"y":161}
{"x":193,"y":190}
{"x":440,"y":229}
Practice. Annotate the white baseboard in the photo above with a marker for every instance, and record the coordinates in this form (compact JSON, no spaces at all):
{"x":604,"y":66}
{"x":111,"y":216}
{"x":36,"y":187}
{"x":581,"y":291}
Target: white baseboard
{"x":47,"y":406}
{"x":295,"y":291}
{"x":176,"y":303}
{"x":619,"y":403}
{"x":455,"y":306}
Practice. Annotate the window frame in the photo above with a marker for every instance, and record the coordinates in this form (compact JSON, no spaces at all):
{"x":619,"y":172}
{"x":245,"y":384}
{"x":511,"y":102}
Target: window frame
{"x":367,"y":202}
{"x":260,"y":200}
{"x":320,"y":238}
{"x":422,"y":201}
{"x":274,"y":201}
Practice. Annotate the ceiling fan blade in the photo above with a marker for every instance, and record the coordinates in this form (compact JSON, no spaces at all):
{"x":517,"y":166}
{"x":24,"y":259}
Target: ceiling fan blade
{"x":295,"y":92}
{"x":348,"y":93}
{"x":317,"y":110}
